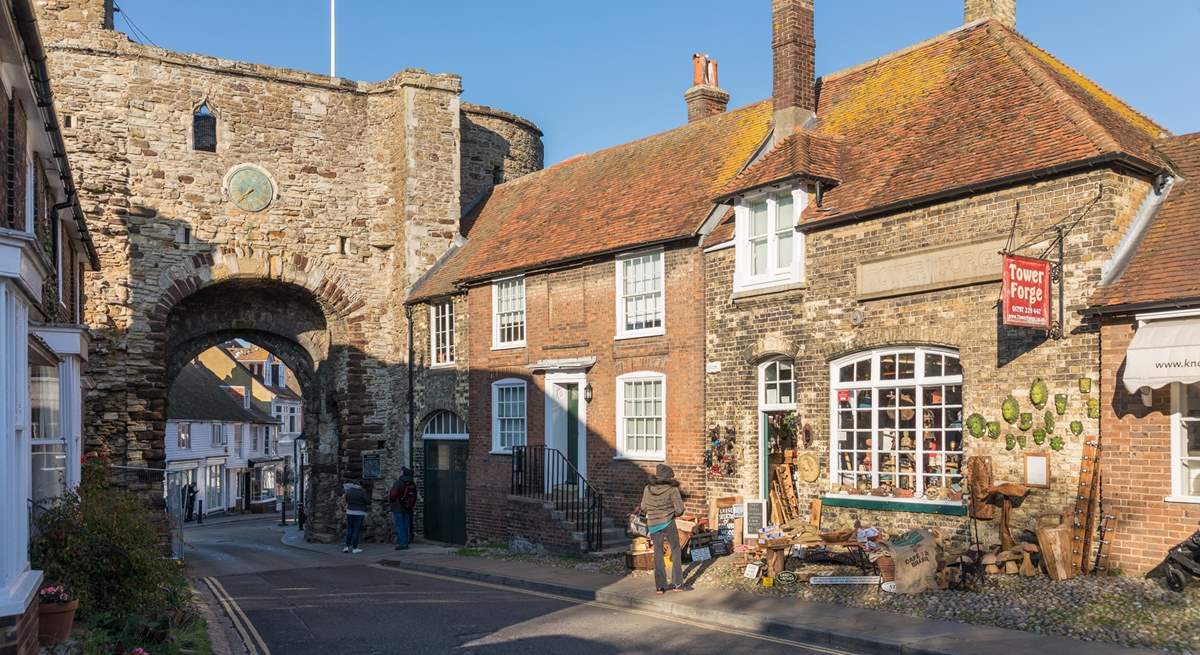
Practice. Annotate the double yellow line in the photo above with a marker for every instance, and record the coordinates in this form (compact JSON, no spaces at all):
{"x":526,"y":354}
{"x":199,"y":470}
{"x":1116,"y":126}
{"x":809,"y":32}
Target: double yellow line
{"x":250,"y":638}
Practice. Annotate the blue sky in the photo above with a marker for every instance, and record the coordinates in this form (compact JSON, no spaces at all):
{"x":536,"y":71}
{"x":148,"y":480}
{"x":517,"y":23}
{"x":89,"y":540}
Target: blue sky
{"x":597,"y":73}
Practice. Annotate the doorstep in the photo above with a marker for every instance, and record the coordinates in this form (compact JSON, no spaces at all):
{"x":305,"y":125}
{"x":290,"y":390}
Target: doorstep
{"x":820,"y":624}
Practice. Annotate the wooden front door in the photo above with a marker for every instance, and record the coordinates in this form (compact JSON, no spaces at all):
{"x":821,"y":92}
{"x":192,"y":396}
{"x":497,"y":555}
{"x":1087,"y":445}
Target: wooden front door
{"x":446,"y":491}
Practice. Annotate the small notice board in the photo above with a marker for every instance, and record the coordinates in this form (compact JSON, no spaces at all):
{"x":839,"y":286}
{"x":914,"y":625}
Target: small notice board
{"x":756,"y":517}
{"x":726,"y":519}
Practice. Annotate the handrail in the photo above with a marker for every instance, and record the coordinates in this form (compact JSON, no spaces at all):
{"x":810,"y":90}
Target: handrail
{"x":541,"y":472}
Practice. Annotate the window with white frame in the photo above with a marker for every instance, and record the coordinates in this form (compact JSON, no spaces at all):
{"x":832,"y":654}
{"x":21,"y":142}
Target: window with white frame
{"x":445,"y":425}
{"x":777,"y":386}
{"x":30,"y":193}
{"x":185,"y":435}
{"x":49,"y":447}
{"x":238,"y":440}
{"x":218,"y":438}
{"x":640,"y":303}
{"x":641,"y":416}
{"x":254,"y":432}
{"x":770,"y":251}
{"x":441,"y":330}
{"x":508,"y":313}
{"x":276,"y":378}
{"x":508,"y":415}
{"x":1185,"y":471}
{"x":212,"y":487}
{"x":293,"y":418}
{"x":897,"y":416}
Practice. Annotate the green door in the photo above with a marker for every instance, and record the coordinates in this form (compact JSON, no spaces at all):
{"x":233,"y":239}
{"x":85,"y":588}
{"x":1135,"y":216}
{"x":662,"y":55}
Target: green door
{"x":573,"y":425}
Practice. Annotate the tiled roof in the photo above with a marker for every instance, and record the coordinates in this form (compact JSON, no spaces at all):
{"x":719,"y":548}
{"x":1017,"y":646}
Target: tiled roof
{"x":977,"y":106}
{"x":198,"y":395}
{"x":1163,"y":267}
{"x":803,"y":154}
{"x":648,"y":191}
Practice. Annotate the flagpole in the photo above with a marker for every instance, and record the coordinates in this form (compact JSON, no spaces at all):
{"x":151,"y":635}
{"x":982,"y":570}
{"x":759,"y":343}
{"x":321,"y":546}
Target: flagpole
{"x":332,"y":38}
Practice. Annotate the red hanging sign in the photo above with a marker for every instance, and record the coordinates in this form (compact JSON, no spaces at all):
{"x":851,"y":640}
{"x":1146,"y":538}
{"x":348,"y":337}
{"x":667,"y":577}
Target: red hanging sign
{"x":1026,"y":292}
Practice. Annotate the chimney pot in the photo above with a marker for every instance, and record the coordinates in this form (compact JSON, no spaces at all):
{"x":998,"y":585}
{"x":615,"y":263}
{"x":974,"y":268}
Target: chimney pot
{"x":705,"y":98}
{"x":1002,"y":11}
{"x":794,"y":49}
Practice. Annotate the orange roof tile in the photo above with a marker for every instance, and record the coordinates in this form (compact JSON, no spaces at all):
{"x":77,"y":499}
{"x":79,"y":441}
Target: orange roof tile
{"x":1163,"y":268}
{"x":648,"y":191}
{"x":803,"y":154}
{"x":976,"y":106}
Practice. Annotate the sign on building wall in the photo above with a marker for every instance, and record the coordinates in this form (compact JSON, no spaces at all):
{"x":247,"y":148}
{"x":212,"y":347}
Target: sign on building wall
{"x":1026,"y":292}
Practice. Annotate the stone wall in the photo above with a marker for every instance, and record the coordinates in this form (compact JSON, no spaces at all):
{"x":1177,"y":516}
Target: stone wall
{"x":814,"y":324}
{"x":1137,"y":463}
{"x":570,"y":313}
{"x":368,"y":187}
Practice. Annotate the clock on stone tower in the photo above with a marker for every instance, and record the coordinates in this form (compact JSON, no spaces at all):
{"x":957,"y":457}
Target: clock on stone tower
{"x":249,"y":187}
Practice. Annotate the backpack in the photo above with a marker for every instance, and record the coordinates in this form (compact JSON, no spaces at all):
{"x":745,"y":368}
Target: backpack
{"x":408,"y":496}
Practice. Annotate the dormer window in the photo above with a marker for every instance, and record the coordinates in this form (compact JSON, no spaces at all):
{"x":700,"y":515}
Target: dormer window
{"x":770,"y":251}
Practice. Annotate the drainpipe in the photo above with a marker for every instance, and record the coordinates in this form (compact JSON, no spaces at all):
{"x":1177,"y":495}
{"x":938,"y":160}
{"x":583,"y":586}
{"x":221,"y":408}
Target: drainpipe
{"x":408,"y":313}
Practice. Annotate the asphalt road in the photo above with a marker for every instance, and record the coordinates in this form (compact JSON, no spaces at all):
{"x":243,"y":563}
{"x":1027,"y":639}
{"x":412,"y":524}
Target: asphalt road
{"x":299,"y":602}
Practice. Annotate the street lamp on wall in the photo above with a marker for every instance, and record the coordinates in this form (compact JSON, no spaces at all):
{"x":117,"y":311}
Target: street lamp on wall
{"x":587,"y":393}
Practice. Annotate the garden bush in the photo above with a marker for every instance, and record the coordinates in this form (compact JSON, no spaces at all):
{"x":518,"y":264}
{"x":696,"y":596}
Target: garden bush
{"x":108,"y":547}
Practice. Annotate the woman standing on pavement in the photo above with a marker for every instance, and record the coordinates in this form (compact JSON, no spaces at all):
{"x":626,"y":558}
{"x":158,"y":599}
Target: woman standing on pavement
{"x":662,"y":502}
{"x":357,"y":503}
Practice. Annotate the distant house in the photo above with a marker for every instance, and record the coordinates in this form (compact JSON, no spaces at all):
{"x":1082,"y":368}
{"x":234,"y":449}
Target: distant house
{"x":286,"y":403}
{"x":226,"y":448}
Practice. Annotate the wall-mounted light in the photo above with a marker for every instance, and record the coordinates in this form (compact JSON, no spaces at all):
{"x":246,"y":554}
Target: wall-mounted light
{"x":587,"y":393}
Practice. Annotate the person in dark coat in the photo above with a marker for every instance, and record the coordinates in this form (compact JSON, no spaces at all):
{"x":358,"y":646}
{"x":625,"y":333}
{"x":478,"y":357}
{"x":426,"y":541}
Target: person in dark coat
{"x":189,"y":501}
{"x":662,"y":502}
{"x":402,"y":498}
{"x":357,"y":503}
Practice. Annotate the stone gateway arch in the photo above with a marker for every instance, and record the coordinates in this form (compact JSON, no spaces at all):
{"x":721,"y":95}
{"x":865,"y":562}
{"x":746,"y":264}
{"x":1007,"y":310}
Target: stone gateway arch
{"x":232,"y":200}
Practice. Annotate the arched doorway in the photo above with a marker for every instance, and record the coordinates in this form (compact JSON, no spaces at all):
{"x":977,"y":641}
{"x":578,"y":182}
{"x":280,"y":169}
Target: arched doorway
{"x":445,"y":440}
{"x":300,"y":328}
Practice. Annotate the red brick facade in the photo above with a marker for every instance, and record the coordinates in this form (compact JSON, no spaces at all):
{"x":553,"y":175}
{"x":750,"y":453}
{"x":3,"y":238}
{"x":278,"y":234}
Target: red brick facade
{"x":570,"y":313}
{"x":19,"y":633}
{"x":1136,"y":462}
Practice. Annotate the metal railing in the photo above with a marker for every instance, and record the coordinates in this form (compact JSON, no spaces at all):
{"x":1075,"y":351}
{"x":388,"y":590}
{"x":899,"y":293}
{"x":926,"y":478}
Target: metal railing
{"x":545,"y":473}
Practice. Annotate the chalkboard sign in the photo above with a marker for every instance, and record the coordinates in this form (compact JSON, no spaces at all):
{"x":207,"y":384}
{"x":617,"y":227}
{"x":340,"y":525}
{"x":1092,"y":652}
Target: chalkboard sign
{"x":756,"y":517}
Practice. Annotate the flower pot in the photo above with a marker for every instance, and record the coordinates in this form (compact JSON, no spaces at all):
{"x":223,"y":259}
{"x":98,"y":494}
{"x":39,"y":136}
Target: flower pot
{"x":55,"y":621}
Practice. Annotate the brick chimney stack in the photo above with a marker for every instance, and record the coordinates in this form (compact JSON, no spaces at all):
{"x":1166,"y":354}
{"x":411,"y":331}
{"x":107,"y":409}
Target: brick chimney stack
{"x":1003,"y":11}
{"x":795,"y":53}
{"x":705,"y":98}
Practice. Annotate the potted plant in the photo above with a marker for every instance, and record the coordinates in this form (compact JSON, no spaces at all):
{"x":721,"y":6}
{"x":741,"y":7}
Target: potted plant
{"x":1085,"y":385}
{"x":56,"y":614}
{"x":1060,"y":403}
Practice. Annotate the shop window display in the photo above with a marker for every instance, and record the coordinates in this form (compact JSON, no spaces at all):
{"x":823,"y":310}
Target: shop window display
{"x":898,"y":422}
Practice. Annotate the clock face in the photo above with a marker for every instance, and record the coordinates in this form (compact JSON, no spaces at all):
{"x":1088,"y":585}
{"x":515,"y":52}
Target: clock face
{"x":250,"y":189}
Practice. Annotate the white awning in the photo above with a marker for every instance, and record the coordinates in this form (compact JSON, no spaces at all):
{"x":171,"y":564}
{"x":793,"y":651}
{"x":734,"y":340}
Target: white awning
{"x":1163,"y":352}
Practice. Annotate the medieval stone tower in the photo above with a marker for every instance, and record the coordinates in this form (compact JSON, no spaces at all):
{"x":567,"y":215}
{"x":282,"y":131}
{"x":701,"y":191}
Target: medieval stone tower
{"x":230,"y":199}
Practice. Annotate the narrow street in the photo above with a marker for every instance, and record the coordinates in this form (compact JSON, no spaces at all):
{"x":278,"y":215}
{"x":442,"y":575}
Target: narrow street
{"x":309,"y":601}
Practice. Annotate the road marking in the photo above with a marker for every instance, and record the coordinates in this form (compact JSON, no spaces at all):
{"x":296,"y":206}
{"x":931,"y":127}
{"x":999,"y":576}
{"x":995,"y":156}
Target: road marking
{"x":627,"y":610}
{"x":250,"y":638}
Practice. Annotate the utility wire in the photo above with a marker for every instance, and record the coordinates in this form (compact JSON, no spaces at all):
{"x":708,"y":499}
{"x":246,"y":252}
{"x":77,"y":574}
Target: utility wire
{"x":137,"y":32}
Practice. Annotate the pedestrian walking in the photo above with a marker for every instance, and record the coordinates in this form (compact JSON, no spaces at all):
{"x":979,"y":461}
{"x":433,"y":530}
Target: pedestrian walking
{"x":403,"y":499}
{"x":189,"y":501}
{"x":357,"y":503}
{"x":662,"y":502}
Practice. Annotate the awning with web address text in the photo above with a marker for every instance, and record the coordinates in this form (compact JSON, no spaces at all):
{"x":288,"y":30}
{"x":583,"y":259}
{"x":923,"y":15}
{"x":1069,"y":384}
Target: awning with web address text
{"x":1163,"y":352}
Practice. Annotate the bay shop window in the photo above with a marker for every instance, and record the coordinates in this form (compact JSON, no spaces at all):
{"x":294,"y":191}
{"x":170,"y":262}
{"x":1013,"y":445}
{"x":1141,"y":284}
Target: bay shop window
{"x":897,"y":417}
{"x":49,"y":442}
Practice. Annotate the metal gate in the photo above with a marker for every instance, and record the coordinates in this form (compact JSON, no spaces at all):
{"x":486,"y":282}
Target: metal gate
{"x":446,"y":491}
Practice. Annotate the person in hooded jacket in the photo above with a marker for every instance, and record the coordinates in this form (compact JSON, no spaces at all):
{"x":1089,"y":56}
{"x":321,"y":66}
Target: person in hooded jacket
{"x":662,"y":502}
{"x":357,"y":503}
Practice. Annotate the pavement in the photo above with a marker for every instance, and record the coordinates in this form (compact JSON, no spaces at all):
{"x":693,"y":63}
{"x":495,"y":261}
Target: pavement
{"x":816,"y":624}
{"x":268,"y":591}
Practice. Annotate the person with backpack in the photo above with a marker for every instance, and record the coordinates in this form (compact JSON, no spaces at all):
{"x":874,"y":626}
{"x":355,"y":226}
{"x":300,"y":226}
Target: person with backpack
{"x":403,"y":500}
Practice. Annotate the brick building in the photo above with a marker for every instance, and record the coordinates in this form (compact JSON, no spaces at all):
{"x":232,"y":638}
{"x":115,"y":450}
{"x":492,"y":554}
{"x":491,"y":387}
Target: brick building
{"x":1149,"y":312}
{"x":585,"y":335}
{"x":853,"y":287}
{"x":289,"y":209}
{"x":45,"y":248}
